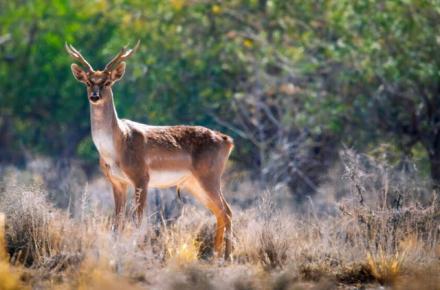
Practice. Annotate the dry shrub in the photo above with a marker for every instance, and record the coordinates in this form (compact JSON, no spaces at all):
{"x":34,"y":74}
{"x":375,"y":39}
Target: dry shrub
{"x":273,"y":250}
{"x":381,"y":230}
{"x":263,"y":235}
{"x":386,"y":220}
{"x":36,"y":232}
{"x":62,"y":180}
{"x":52,"y":243}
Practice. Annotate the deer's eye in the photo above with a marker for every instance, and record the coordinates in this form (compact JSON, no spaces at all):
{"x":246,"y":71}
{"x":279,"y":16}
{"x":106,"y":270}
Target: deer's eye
{"x":107,"y":83}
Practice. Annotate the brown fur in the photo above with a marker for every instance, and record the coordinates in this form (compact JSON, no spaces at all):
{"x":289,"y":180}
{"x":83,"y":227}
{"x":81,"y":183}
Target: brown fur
{"x":134,"y":154}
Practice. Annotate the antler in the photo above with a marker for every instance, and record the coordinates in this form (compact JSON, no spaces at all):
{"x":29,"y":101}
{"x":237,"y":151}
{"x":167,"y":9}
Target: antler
{"x":76,"y":55}
{"x":121,"y":56}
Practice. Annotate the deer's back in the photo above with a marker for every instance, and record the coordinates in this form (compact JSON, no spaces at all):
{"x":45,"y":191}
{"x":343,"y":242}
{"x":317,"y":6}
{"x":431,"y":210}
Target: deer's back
{"x":180,"y":146}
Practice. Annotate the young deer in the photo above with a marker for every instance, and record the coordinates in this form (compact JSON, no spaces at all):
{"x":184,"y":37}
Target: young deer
{"x":188,"y":157}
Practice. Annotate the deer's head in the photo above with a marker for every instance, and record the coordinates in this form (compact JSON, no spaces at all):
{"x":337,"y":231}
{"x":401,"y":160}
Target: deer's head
{"x":98,"y":82}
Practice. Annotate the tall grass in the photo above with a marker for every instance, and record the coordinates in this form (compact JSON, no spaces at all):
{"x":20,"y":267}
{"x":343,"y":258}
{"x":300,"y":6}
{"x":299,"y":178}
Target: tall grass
{"x":381,"y":231}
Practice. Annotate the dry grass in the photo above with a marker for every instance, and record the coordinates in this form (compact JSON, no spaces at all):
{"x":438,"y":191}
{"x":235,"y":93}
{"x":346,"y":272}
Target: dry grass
{"x":370,"y":241}
{"x":9,"y":277}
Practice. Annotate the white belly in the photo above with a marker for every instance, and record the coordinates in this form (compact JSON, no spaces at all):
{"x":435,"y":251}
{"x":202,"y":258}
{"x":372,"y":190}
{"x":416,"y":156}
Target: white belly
{"x":164,"y":179}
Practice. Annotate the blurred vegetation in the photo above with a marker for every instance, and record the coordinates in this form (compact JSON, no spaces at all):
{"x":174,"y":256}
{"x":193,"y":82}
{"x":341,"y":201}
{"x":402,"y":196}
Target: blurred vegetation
{"x":291,"y":81}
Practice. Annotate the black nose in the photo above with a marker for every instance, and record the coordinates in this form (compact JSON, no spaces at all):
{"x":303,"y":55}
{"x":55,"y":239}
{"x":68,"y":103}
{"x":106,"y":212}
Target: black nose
{"x":94,"y":97}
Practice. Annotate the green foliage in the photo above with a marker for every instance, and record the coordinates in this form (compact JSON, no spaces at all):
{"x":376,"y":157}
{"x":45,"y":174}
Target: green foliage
{"x":364,"y":71}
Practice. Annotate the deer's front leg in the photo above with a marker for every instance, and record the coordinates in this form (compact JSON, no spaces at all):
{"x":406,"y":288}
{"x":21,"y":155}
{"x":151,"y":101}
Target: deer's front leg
{"x":134,"y":166}
{"x":120,"y":195}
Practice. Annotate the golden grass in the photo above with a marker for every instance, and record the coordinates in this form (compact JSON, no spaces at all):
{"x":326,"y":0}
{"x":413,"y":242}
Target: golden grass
{"x":181,"y":248}
{"x":86,"y":254}
{"x":9,"y":277}
{"x":49,"y":249}
{"x":385,"y":268}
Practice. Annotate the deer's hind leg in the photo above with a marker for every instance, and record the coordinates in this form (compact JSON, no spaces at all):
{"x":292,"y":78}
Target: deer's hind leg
{"x":207,"y":190}
{"x":228,"y":229}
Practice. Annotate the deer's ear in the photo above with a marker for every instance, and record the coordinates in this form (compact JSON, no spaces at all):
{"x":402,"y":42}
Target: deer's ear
{"x":118,"y":72}
{"x":78,"y":73}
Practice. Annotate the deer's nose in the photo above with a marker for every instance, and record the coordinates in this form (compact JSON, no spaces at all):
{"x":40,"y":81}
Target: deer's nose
{"x":94,"y":97}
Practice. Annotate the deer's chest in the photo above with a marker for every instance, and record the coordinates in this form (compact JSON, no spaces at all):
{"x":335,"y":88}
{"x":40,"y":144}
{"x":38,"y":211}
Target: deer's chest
{"x":107,"y":151}
{"x":105,"y":144}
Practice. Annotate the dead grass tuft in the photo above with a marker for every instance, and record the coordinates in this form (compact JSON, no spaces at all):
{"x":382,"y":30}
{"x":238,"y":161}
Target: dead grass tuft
{"x":385,"y":268}
{"x":272,"y":250}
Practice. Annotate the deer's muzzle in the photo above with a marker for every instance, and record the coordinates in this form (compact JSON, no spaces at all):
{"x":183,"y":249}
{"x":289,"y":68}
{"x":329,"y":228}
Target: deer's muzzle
{"x":95,"y":95}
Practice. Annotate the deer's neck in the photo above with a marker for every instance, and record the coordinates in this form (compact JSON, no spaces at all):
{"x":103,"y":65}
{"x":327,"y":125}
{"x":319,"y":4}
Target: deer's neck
{"x":105,"y":126}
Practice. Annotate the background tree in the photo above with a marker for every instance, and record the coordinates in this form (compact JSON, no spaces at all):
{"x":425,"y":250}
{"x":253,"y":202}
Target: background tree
{"x":290,"y":80}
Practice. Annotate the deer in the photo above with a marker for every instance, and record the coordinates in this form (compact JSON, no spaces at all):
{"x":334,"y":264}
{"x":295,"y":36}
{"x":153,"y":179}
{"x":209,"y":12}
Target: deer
{"x":142,"y":156}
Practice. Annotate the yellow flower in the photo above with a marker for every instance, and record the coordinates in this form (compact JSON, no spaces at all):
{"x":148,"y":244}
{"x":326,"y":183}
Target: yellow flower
{"x":178,"y":4}
{"x":248,"y":43}
{"x":216,"y":9}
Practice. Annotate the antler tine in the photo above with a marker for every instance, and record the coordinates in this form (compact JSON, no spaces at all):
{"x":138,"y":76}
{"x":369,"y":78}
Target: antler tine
{"x":115,"y":59}
{"x":121,"y":56}
{"x":73,"y":52}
